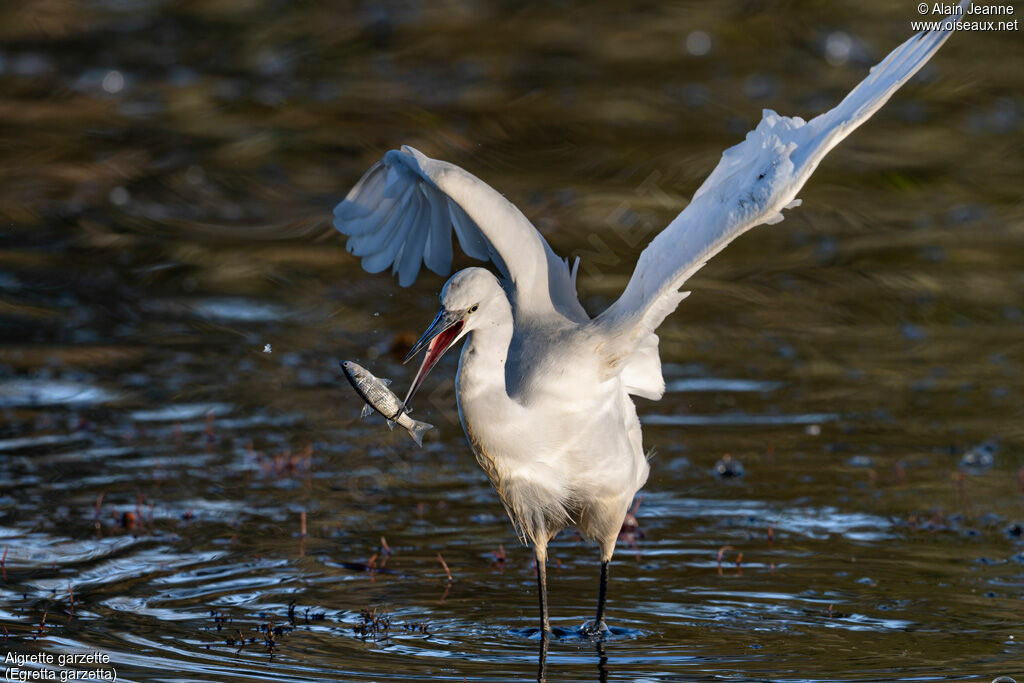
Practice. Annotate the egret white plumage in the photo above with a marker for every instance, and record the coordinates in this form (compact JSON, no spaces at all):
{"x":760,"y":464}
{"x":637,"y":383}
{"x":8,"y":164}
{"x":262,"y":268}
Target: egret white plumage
{"x":544,"y":390}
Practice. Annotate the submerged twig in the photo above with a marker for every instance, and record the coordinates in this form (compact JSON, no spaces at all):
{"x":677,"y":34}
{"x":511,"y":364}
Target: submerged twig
{"x":371,"y":567}
{"x":42,"y":626}
{"x":721,"y":552}
{"x":446,"y":570}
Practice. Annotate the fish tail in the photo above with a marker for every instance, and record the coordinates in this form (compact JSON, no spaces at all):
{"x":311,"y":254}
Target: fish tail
{"x":417,"y":429}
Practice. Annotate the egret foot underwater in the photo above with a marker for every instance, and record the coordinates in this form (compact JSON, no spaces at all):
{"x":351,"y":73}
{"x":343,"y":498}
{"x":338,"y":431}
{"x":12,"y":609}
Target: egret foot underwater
{"x":578,"y":634}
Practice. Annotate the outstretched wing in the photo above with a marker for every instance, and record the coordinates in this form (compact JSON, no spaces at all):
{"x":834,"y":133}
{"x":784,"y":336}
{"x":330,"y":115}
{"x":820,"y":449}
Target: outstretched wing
{"x":752,"y":184}
{"x":401,"y":214}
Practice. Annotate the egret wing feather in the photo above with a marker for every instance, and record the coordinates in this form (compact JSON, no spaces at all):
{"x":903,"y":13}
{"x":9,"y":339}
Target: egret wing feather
{"x":362,"y":224}
{"x":438,"y":251}
{"x":365,"y":196}
{"x":754,"y":181}
{"x":383,"y":225}
{"x":381,"y":248}
{"x":413,"y":252}
{"x":387,"y":226}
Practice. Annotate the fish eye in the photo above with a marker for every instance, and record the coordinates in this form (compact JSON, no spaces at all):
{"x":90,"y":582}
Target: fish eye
{"x":475,"y":306}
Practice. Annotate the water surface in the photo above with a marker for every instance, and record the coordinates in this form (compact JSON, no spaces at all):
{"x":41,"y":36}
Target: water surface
{"x":168,"y":171}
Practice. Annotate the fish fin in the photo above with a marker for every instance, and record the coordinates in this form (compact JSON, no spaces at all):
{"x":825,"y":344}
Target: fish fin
{"x":391,"y":424}
{"x":417,"y":429}
{"x":367,"y":410}
{"x":386,"y":382}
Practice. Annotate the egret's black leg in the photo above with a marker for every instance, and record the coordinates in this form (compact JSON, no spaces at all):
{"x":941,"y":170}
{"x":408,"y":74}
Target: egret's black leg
{"x":602,"y":595}
{"x":542,"y":592}
{"x":545,"y":626}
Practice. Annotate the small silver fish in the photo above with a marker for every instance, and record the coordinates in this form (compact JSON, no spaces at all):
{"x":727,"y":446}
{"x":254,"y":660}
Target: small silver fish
{"x":378,"y":397}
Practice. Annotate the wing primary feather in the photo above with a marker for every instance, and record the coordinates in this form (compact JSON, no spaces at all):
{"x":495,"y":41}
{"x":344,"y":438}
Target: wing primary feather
{"x":393,"y":251}
{"x":408,"y":226}
{"x":385,"y":254}
{"x":364,"y":224}
{"x":438,"y":253}
{"x":412,"y":252}
{"x":364,"y":195}
{"x":398,"y":178}
{"x":376,"y":240}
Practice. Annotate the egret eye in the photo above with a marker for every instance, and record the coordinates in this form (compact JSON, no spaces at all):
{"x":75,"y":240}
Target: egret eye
{"x":475,"y":306}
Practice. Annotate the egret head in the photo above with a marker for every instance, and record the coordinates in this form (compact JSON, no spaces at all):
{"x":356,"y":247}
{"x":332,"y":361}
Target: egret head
{"x":470,"y":299}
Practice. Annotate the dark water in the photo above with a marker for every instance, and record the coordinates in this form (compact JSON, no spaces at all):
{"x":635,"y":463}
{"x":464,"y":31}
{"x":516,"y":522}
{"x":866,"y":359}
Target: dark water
{"x":167,"y":171}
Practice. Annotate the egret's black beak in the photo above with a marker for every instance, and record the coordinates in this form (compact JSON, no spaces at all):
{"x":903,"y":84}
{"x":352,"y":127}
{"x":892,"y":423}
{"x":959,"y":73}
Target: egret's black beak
{"x":438,"y":338}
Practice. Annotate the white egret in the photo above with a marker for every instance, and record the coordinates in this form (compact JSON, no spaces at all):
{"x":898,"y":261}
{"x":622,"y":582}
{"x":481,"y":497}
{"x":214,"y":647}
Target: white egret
{"x":544,"y":391}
